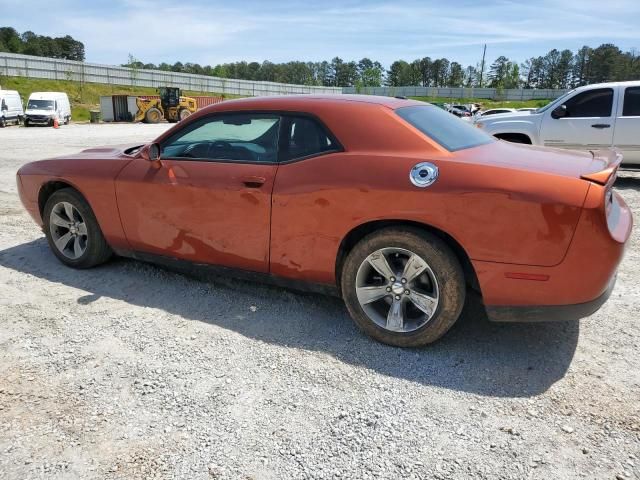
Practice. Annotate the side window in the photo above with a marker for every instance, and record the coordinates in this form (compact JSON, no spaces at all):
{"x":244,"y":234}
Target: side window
{"x":242,"y":137}
{"x":592,"y":103}
{"x":631,"y":106}
{"x":304,"y":137}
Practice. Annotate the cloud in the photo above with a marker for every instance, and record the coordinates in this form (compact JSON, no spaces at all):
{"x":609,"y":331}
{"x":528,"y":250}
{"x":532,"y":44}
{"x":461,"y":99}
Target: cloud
{"x":218,"y":31}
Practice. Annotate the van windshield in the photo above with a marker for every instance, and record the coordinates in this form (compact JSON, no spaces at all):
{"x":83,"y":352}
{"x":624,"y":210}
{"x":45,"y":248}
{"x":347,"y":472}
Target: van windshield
{"x":40,"y":104}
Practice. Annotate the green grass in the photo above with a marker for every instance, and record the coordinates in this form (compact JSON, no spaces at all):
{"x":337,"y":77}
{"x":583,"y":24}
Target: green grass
{"x":486,"y":104}
{"x":83,"y":97}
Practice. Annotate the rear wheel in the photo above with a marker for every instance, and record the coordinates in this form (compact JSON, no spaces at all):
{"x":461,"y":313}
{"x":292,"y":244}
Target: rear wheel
{"x":184,"y":114}
{"x":26,"y":122}
{"x":153,"y":115}
{"x":3,"y":122}
{"x":403,"y":286}
{"x":72,"y":230}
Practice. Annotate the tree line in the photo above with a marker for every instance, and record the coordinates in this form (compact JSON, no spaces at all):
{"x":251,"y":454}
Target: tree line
{"x":556,"y":69}
{"x":28,"y":43}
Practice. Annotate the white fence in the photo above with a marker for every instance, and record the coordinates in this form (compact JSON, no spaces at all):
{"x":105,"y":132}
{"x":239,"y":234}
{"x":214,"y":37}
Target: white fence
{"x":460,"y":93}
{"x":14,"y":65}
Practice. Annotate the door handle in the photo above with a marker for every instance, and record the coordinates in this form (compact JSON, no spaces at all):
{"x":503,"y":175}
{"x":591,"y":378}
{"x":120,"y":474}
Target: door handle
{"x":253,"y":181}
{"x":601,"y":125}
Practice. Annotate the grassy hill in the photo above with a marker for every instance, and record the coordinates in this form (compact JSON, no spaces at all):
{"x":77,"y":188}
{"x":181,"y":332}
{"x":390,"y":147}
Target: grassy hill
{"x":83,"y":97}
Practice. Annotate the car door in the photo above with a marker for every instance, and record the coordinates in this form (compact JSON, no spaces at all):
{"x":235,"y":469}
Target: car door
{"x":584,"y":122}
{"x":627,"y":132}
{"x":208,"y":199}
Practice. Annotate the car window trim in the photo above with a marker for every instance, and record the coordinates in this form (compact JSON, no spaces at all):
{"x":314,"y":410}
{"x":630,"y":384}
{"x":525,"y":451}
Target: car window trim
{"x":281,"y":114}
{"x":624,"y":99}
{"x":611,"y":112}
{"x":284,"y":136}
{"x":204,"y":120}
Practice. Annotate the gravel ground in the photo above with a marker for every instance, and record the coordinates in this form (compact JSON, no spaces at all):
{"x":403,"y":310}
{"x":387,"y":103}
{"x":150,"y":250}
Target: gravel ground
{"x":129,"y":371}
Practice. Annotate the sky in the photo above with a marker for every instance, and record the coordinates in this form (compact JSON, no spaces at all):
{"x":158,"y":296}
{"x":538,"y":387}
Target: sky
{"x":212,"y":32}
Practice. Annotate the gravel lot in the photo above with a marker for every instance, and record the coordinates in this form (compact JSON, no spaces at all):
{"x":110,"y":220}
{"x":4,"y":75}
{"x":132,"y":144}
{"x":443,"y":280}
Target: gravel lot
{"x":129,"y":371}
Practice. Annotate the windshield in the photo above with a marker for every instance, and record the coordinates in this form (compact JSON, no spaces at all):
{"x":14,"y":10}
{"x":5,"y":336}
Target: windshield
{"x":40,"y":104}
{"x":555,"y":102}
{"x":443,"y":127}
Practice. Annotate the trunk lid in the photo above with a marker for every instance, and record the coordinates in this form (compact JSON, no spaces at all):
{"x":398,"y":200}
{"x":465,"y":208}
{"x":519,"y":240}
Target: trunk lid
{"x":597,"y":166}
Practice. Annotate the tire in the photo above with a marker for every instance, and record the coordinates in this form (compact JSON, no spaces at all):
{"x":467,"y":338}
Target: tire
{"x":441,"y":280}
{"x":26,"y":123}
{"x":153,"y":115}
{"x":184,"y":114}
{"x":95,"y":251}
{"x":3,"y":122}
{"x":67,"y":120}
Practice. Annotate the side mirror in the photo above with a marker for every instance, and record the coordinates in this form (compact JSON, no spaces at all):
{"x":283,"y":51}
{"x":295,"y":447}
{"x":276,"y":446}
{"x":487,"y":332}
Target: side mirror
{"x":559,"y":112}
{"x":151,"y":152}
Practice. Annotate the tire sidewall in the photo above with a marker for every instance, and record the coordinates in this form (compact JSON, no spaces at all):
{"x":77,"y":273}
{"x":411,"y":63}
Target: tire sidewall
{"x":94,"y":234}
{"x":445,"y":267}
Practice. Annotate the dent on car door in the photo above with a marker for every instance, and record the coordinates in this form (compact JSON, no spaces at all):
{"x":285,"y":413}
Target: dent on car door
{"x":585,"y":121}
{"x":210,"y":199}
{"x":627,"y":129}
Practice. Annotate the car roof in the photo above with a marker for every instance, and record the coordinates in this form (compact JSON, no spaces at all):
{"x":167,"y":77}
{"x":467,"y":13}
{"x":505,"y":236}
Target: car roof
{"x":630,"y":83}
{"x":282,"y":101}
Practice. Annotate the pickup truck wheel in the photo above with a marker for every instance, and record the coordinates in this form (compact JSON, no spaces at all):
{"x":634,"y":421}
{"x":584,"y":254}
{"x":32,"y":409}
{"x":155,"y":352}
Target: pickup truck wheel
{"x":72,"y":230}
{"x":403,"y":287}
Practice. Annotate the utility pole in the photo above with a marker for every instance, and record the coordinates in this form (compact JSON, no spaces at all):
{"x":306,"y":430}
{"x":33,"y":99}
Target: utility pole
{"x":484,"y":52}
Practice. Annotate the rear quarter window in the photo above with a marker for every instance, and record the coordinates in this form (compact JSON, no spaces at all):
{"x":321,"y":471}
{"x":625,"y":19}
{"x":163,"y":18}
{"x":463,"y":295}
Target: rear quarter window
{"x":443,"y":127}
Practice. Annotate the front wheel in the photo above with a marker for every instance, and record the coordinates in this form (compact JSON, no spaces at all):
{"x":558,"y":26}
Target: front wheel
{"x":72,"y":230}
{"x":184,"y":114}
{"x":3,"y":122}
{"x":153,"y":115}
{"x":403,"y":287}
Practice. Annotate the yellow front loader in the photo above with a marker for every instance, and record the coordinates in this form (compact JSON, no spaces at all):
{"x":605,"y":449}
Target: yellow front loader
{"x":170,"y":106}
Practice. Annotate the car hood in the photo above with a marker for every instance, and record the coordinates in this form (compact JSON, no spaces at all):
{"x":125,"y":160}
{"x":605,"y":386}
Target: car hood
{"x":98,"y":160}
{"x":529,"y":117}
{"x":122,"y":152}
{"x":538,"y":159}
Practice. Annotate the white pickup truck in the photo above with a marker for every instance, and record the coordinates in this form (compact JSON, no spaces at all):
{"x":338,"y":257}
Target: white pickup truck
{"x":592,"y":117}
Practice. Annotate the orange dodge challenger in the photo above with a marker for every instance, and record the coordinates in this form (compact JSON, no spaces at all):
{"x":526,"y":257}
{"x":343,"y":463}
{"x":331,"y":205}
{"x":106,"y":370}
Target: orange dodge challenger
{"x":395,"y":205}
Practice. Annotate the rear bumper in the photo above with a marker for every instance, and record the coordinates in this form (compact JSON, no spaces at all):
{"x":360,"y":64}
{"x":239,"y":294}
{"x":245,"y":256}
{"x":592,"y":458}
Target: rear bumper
{"x":548,"y":313}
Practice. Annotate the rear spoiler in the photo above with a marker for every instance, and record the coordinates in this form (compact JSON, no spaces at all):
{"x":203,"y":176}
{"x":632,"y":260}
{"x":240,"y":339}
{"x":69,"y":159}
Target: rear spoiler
{"x":609,"y":161}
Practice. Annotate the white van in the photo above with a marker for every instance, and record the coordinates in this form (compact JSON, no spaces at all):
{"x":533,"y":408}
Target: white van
{"x":10,"y":108}
{"x":44,"y":107}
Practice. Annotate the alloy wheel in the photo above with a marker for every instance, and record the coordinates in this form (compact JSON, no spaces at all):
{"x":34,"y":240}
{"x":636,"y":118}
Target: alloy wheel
{"x":68,"y":230}
{"x":397,"y":289}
